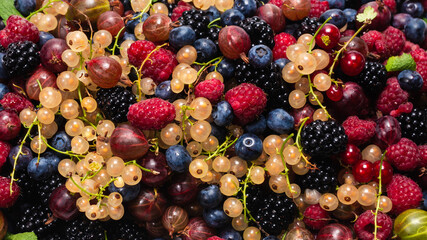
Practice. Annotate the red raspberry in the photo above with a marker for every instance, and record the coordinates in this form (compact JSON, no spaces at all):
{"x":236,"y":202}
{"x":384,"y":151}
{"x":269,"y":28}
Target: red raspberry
{"x":318,"y":7}
{"x":418,"y":54}
{"x":410,"y":46}
{"x":376,"y":44}
{"x":391,"y":4}
{"x":177,"y":12}
{"x":16,"y":102}
{"x":358,"y":131}
{"x":315,"y":217}
{"x":365,"y":224}
{"x":281,"y":42}
{"x":247,"y":100}
{"x":18,"y":29}
{"x":422,"y":149}
{"x":4,"y":152}
{"x":158,"y":66}
{"x":420,"y":57}
{"x":404,"y":193}
{"x":215,"y":238}
{"x":395,"y":40}
{"x":7,"y":199}
{"x":212,"y":89}
{"x":153,"y":113}
{"x":278,"y":3}
{"x":391,"y":97}
{"x":404,"y":155}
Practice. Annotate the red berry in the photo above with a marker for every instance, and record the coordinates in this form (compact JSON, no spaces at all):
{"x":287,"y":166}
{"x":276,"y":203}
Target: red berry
{"x":391,"y":97}
{"x":153,"y":113}
{"x":4,"y":152}
{"x":386,"y":172}
{"x":362,"y":171}
{"x":358,"y":131}
{"x":15,"y":102}
{"x":281,"y":42}
{"x":404,"y":193}
{"x":404,"y":155}
{"x":351,"y":155}
{"x":365,"y":223}
{"x":334,"y":93}
{"x":315,"y":217}
{"x":7,"y":199}
{"x":352,"y":63}
{"x":328,"y":37}
{"x":18,"y":29}
{"x":212,"y":89}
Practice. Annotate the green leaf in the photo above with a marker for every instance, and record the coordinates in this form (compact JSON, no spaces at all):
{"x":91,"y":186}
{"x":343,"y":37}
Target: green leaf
{"x":400,"y":63}
{"x":368,"y":15}
{"x":7,"y":8}
{"x":22,"y":236}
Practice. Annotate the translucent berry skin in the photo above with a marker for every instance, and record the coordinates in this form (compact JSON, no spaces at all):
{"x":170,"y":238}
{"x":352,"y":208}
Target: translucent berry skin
{"x":387,"y":131}
{"x":351,"y":155}
{"x":386,"y":171}
{"x":328,"y":37}
{"x":63,"y":204}
{"x":128,"y":142}
{"x":334,"y":93}
{"x":273,"y":16}
{"x":335,"y":231}
{"x":352,"y":63}
{"x":363,"y":171}
{"x":233,"y":41}
{"x":104,"y":71}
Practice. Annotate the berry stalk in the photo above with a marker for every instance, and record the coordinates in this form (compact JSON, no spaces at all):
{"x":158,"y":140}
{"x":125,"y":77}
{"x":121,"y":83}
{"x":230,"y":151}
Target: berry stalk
{"x":286,"y":173}
{"x":378,"y":197}
{"x":316,"y":98}
{"x":47,"y":5}
{"x":310,"y":45}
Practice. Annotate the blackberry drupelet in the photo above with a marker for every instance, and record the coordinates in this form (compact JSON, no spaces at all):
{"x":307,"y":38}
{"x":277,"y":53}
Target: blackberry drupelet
{"x":213,"y":34}
{"x":323,"y":139}
{"x":308,"y":25}
{"x":197,"y":20}
{"x":274,"y":212}
{"x":2,"y":49}
{"x":52,"y":236}
{"x":323,"y":179}
{"x":269,"y":79}
{"x":115,"y":102}
{"x":35,"y":219}
{"x":84,"y":229}
{"x":27,"y":185}
{"x":21,"y":58}
{"x":373,"y":78}
{"x":171,"y":4}
{"x":46,"y":187}
{"x":414,"y":125}
{"x":259,"y":31}
{"x":125,"y":229}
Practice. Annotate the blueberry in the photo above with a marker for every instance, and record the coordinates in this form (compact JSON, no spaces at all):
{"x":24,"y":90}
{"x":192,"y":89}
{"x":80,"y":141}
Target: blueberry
{"x":425,"y":200}
{"x":164,"y":91}
{"x":413,"y":8}
{"x":260,"y":56}
{"x":226,"y":67}
{"x":230,"y":234}
{"x":53,"y":159}
{"x":44,"y":37}
{"x":181,"y":36}
{"x":222,"y":114}
{"x":350,"y":15}
{"x":127,"y":5}
{"x":231,"y":17}
{"x":280,"y":121}
{"x":216,"y":217}
{"x":415,"y":30}
{"x":128,"y":192}
{"x":206,"y":49}
{"x":248,"y":146}
{"x":40,"y":170}
{"x":281,"y":62}
{"x":136,"y":18}
{"x":3,"y":90}
{"x":25,"y":7}
{"x":247,"y":7}
{"x":210,"y":197}
{"x":336,"y":4}
{"x":212,"y":13}
{"x":128,"y":36}
{"x":24,"y":158}
{"x":400,"y":20}
{"x":270,"y":238}
{"x":3,"y":73}
{"x":410,"y":80}
{"x":219,"y":132}
{"x":61,"y":141}
{"x":338,"y":17}
{"x":257,"y":127}
{"x":178,"y":158}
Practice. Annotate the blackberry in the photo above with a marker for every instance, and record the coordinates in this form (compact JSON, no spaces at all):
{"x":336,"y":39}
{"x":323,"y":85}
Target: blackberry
{"x":308,"y":25}
{"x":213,"y":34}
{"x":373,"y":78}
{"x":84,"y":229}
{"x":125,"y":229}
{"x":197,"y":20}
{"x":52,"y":236}
{"x":170,"y":4}
{"x":323,"y":139}
{"x":274,"y":212}
{"x":269,"y":79}
{"x":21,"y":58}
{"x":259,"y":31}
{"x":46,"y":187}
{"x":27,"y":185}
{"x":414,"y":125}
{"x":2,"y":49}
{"x":37,"y":219}
{"x":115,"y":102}
{"x":322,"y":179}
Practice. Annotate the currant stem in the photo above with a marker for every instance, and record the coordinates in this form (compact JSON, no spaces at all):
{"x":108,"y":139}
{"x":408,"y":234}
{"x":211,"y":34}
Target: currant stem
{"x":316,"y":98}
{"x":133,"y":162}
{"x":213,"y":21}
{"x":310,"y":45}
{"x":47,"y":5}
{"x":222,"y":148}
{"x":286,"y":173}
{"x":245,"y":185}
{"x":298,"y":142}
{"x":69,"y":153}
{"x":378,"y":197}
{"x":116,"y":41}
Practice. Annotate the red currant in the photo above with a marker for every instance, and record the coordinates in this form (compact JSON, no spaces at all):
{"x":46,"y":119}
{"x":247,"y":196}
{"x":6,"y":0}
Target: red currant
{"x":351,"y":155}
{"x":362,"y":171}
{"x":335,"y":93}
{"x":386,"y":171}
{"x":352,"y":63}
{"x":328,"y":37}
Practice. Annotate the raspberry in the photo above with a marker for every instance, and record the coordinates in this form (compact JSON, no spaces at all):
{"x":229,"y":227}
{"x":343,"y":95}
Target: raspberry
{"x":153,"y":113}
{"x":404,"y":193}
{"x":422,"y":149}
{"x":16,"y":102}
{"x":215,"y":238}
{"x":358,"y":131}
{"x":318,"y":7}
{"x":281,"y":42}
{"x":395,"y":40}
{"x":376,"y":44}
{"x":391,"y":4}
{"x":212,"y":89}
{"x":158,"y":66}
{"x":403,"y":155}
{"x":278,"y":3}
{"x":315,"y":217}
{"x":365,"y":224}
{"x":247,"y":100}
{"x":420,"y":57}
{"x":418,"y":54}
{"x":18,"y":29}
{"x":7,"y":199}
{"x":177,"y":12}
{"x":4,"y":152}
{"x":391,"y":97}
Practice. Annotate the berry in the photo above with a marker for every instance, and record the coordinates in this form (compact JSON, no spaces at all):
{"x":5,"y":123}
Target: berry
{"x":391,"y":97}
{"x":410,"y":80}
{"x":403,"y":155}
{"x":37,"y":219}
{"x":84,"y":229}
{"x":46,"y":187}
{"x":231,"y":17}
{"x":215,"y":238}
{"x":15,"y":102}
{"x":210,"y":197}
{"x":212,"y":89}
{"x":281,"y":42}
{"x":323,"y":138}
{"x":278,"y":3}
{"x":376,"y":44}
{"x":125,"y":229}
{"x":178,"y":11}
{"x":414,"y":125}
{"x":395,"y":40}
{"x":358,"y":131}
{"x":315,"y":217}
{"x":386,"y":172}
{"x":362,"y":171}
{"x":216,"y":217}
{"x":259,"y":31}
{"x":415,"y":30}
{"x":308,"y":25}
{"x":4,"y":152}
{"x":7,"y":199}
{"x":351,"y":155}
{"x":422,"y":149}
{"x":206,"y":49}
{"x":391,"y":4}
{"x":365,"y":223}
{"x":153,"y":113}
{"x":178,"y":158}
{"x":115,"y":102}
{"x":404,"y":193}
{"x":338,"y":17}
{"x":222,"y":113}
{"x":39,"y":169}
{"x":328,"y":37}
{"x":318,"y":8}
{"x":18,"y":29}
{"x":248,"y":146}
{"x":247,"y":100}
{"x":181,"y":36}
{"x":280,"y":121}
{"x":260,"y":56}
{"x":352,"y":63}
{"x":373,"y":78}
{"x":198,"y":20}
{"x":323,"y":179}
{"x":21,"y":58}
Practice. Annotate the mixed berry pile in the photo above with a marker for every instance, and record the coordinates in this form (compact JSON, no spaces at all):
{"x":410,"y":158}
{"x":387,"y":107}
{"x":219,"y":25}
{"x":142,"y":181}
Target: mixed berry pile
{"x":213,"y":119}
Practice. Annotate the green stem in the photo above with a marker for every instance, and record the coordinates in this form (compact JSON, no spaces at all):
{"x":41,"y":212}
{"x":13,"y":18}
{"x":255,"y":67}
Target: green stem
{"x":316,"y":98}
{"x":142,"y":168}
{"x":47,"y":5}
{"x":84,"y":190}
{"x":40,"y":85}
{"x":116,"y":41}
{"x":87,"y":121}
{"x":286,"y":173}
{"x":222,"y":148}
{"x":245,"y":185}
{"x":213,"y":21}
{"x":207,"y":64}
{"x":80,"y":99}
{"x":378,"y":197}
{"x":298,"y":141}
{"x":69,"y":153}
{"x":310,"y":46}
